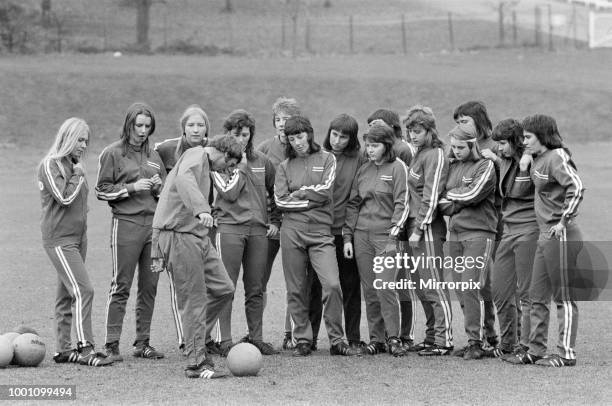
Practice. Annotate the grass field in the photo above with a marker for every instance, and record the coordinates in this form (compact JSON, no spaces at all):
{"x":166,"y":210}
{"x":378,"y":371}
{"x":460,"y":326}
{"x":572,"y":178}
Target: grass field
{"x":38,"y":93}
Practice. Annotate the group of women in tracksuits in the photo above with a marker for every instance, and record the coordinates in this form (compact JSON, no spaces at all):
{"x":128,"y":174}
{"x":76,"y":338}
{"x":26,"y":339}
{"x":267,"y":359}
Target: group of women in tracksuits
{"x":508,"y":196}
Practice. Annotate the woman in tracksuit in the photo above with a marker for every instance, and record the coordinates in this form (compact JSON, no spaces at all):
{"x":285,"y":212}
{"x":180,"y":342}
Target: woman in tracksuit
{"x":469,"y":200}
{"x":243,"y":228}
{"x":130,"y":176}
{"x":63,"y":192}
{"x":511,"y":274}
{"x":426,"y":181}
{"x":376,"y":211}
{"x":558,"y":193}
{"x":303,"y":190}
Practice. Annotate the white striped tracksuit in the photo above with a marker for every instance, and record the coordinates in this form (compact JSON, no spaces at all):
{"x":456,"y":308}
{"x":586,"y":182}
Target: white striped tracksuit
{"x":472,"y":225}
{"x":558,"y":193}
{"x":512,"y":269}
{"x":426,"y":182}
{"x":120,"y":166}
{"x":303,"y":190}
{"x":63,"y":193}
{"x":375,"y":213}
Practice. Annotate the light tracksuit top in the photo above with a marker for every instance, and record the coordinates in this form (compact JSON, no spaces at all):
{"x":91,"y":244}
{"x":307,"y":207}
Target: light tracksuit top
{"x":303,"y":191}
{"x":118,"y":170}
{"x":63,"y":196}
{"x":184,"y":197}
{"x":241,"y":204}
{"x":471,"y":189}
{"x":426,"y":182}
{"x":274,"y":149}
{"x":379,"y":200}
{"x":558,"y":188}
{"x":516,"y":191}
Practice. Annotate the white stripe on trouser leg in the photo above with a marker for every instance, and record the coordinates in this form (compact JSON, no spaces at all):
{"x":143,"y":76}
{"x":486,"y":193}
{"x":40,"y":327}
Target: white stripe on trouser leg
{"x":174,"y":308}
{"x":293,"y":339}
{"x":78,"y":307}
{"x":218,"y":322}
{"x":483,"y":279}
{"x":431,"y":252}
{"x":113,"y":287}
{"x":565,"y":297}
{"x":413,"y":301}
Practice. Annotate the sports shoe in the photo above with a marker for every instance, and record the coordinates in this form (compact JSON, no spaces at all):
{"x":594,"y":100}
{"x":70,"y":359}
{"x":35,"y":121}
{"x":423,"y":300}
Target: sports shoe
{"x":407,"y":343}
{"x":435,"y":350}
{"x":225,"y":347}
{"x":522,"y":359}
{"x":302,"y":349}
{"x":357,"y":345}
{"x":375,"y":348}
{"x":66,"y":356}
{"x":144,"y":350}
{"x":265,"y":348}
{"x":555,"y":360}
{"x":111,"y":350}
{"x":344,"y":349}
{"x":459,"y":352}
{"x":474,"y":351}
{"x":245,"y":339}
{"x":492,"y":341}
{"x":288,"y":343}
{"x":420,"y":347}
{"x":497,"y":352}
{"x":204,"y":370}
{"x":213,"y":348}
{"x":89,"y":356}
{"x":395,"y":347}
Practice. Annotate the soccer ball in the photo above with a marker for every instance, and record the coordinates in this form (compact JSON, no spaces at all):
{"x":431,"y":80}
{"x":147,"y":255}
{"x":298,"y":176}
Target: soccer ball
{"x":29,"y":350}
{"x":244,"y":359}
{"x":6,"y":351}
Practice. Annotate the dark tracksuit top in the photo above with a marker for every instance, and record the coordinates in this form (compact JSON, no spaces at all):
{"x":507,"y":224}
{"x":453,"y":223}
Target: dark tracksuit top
{"x":517,"y":193}
{"x":170,"y":150}
{"x":274,"y":150}
{"x":346,"y":169}
{"x":404,"y":151}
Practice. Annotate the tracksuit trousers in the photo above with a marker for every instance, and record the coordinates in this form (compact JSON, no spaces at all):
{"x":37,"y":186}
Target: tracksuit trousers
{"x":314,"y":244}
{"x":74,"y":295}
{"x":202,"y":287}
{"x":131,"y":246}
{"x":554,"y":267}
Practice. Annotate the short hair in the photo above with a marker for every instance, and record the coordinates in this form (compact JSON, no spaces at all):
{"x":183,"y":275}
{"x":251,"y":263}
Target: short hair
{"x":383,"y":134}
{"x":510,"y":130}
{"x":390,"y":117}
{"x":346,"y":125}
{"x":286,"y":105}
{"x":238,"y":119}
{"x":228,"y":145}
{"x":478,"y":111}
{"x":466,"y":133}
{"x":67,"y":138}
{"x":545,"y":129}
{"x":424,"y":116}
{"x":130,"y":120}
{"x":297,"y":125}
{"x":190,"y":111}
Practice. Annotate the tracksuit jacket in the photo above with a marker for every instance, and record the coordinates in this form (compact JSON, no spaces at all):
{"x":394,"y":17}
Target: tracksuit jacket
{"x":274,"y":150}
{"x":378,"y":201}
{"x":64,"y":203}
{"x":517,"y":191}
{"x":170,"y":151}
{"x":346,"y":168}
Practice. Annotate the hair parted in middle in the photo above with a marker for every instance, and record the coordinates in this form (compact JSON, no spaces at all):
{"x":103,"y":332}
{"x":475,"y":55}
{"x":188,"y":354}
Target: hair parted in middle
{"x":390,"y":117}
{"x":227,"y":144}
{"x":191,"y":110}
{"x":346,"y":125}
{"x":510,"y":130}
{"x":237,"y":120}
{"x":130,"y":120}
{"x":478,"y":111}
{"x":419,"y":115}
{"x":286,"y":105}
{"x":67,"y":138}
{"x":545,"y":129}
{"x":297,"y":125}
{"x":467,"y":133}
{"x":383,"y":134}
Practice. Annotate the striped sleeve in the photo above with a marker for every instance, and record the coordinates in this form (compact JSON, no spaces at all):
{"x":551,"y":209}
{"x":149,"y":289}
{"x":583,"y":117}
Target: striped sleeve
{"x":323,"y":192}
{"x":435,"y":172}
{"x":284,"y":199}
{"x":63,"y":190}
{"x":564,"y":172}
{"x":482,"y":185}
{"x":400,"y":199}
{"x":229,"y":189}
{"x":106,"y":188}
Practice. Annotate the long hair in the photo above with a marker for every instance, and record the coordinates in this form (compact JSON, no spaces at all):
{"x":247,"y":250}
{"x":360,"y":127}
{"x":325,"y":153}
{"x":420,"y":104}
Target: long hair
{"x":423,"y":116}
{"x":510,"y":130}
{"x":130,"y":119}
{"x":66,"y":139}
{"x":466,"y":133}
{"x":237,"y":120}
{"x":347,"y":125}
{"x":227,"y":144}
{"x":391,"y":118}
{"x":383,"y":134}
{"x":191,"y":110}
{"x":545,"y":129}
{"x":478,"y":111}
{"x":297,"y":125}
{"x":285,"y":105}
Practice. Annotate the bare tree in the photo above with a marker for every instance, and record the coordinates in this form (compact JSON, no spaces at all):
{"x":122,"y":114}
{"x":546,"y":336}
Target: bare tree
{"x":45,"y":12}
{"x":143,"y":9}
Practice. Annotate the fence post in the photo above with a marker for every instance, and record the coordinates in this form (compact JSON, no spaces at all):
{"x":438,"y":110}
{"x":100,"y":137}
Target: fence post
{"x":451,"y":34}
{"x":575,"y":25}
{"x":294,"y":45}
{"x":538,"y":27}
{"x":307,"y":37}
{"x":514,"y":29}
{"x":351,"y":41}
{"x":166,"y":27}
{"x":404,"y":43}
{"x":550,"y":29}
{"x":501,"y":24}
{"x":283,"y":38}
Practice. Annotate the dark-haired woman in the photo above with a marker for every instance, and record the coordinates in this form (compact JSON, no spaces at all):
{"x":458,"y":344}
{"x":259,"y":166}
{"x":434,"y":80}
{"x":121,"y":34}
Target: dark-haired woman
{"x":558,"y":193}
{"x":130,"y":177}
